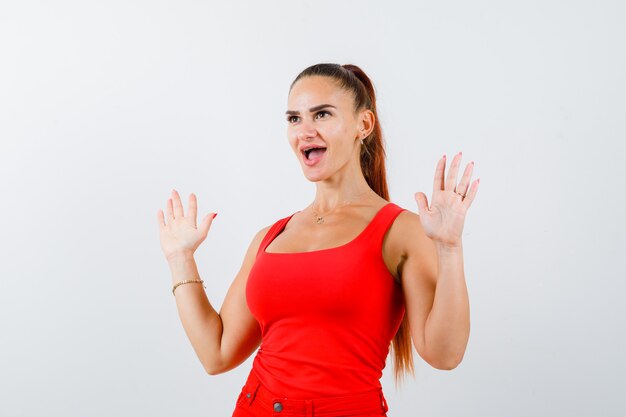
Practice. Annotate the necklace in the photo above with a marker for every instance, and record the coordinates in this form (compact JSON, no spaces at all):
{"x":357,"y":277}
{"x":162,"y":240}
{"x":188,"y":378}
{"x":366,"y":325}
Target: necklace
{"x":319,"y":219}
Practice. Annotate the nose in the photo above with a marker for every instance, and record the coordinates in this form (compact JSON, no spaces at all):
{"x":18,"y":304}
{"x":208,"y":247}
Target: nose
{"x":305,"y":131}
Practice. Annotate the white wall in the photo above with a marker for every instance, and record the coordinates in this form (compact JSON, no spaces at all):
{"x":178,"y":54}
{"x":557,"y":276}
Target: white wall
{"x":107,"y":106}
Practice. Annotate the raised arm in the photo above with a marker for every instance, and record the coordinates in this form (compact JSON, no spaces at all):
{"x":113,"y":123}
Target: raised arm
{"x":433,"y":276}
{"x":221,"y":340}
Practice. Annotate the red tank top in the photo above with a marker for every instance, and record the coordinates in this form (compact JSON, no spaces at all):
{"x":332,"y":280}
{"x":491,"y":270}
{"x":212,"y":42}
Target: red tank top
{"x":327,"y":316}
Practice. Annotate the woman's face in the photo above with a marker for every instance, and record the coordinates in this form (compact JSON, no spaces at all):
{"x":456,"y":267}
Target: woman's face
{"x":321,"y":115}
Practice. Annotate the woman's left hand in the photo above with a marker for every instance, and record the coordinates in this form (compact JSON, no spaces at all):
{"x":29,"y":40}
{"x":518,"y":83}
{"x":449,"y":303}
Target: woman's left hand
{"x":443,"y":221}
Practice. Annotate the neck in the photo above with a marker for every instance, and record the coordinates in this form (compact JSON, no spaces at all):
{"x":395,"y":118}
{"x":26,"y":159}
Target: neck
{"x":347,"y":184}
{"x":332,"y":193}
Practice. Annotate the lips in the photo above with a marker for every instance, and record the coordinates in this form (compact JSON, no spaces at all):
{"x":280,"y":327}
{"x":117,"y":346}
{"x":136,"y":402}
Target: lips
{"x":306,"y":146}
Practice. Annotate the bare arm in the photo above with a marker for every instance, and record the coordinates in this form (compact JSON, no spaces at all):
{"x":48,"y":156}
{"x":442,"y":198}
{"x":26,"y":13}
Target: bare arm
{"x":436,"y":296}
{"x":221,"y":340}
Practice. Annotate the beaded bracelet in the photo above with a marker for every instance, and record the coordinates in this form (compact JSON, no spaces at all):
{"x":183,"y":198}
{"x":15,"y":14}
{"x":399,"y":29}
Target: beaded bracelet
{"x":187,"y":281}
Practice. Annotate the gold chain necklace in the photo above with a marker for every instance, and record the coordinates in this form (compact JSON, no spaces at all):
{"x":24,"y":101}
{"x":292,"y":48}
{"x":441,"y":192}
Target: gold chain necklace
{"x":320,"y":219}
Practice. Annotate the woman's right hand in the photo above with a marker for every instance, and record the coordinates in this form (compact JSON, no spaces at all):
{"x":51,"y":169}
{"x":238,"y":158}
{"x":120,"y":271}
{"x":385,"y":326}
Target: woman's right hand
{"x":181,"y":236}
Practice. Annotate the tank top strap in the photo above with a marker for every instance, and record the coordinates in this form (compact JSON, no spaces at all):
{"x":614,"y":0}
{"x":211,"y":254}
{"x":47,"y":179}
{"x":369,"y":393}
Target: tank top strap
{"x":381,"y":222}
{"x":274,"y":230}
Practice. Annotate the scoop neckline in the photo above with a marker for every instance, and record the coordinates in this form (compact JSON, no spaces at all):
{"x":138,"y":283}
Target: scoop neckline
{"x":371,"y":222}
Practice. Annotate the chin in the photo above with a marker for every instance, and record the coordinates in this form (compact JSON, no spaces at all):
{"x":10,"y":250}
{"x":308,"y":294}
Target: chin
{"x":313,"y":177}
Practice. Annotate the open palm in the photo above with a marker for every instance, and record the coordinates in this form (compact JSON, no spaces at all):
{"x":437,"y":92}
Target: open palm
{"x":443,"y":220}
{"x":181,"y":234}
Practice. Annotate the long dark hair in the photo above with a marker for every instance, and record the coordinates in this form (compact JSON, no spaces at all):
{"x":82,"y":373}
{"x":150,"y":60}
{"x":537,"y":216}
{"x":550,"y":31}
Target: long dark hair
{"x":353,"y":79}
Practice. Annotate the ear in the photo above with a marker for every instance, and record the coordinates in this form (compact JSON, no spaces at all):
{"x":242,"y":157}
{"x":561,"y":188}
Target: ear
{"x":366,"y":123}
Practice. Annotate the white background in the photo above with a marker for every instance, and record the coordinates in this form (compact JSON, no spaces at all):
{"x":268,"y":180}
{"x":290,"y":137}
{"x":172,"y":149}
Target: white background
{"x":107,"y":106}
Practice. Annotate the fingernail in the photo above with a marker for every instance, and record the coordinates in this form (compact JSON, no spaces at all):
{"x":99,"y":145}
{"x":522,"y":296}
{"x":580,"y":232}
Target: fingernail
{"x":444,"y":156}
{"x":214,"y":216}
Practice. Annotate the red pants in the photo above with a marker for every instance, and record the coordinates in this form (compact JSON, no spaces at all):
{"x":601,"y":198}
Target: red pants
{"x":256,"y":401}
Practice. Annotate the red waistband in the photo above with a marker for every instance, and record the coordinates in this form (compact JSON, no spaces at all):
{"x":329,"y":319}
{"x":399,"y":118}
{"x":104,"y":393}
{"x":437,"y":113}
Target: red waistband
{"x":367,"y":402}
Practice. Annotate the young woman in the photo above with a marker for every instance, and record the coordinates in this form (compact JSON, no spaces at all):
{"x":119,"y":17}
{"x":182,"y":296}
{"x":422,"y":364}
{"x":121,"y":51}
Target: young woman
{"x":326,"y":291}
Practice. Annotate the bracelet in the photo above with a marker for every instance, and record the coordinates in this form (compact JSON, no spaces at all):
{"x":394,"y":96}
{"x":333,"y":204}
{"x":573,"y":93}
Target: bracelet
{"x":187,"y":281}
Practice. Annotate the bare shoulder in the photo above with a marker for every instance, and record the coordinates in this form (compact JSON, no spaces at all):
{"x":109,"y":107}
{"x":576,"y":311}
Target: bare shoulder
{"x":249,"y":258}
{"x":258,"y":237}
{"x":405,"y":231}
{"x":256,"y":243}
{"x":406,"y":241}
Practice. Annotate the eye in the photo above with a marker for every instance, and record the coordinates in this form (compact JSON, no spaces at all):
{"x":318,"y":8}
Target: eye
{"x":290,"y":118}
{"x":322,"y":111}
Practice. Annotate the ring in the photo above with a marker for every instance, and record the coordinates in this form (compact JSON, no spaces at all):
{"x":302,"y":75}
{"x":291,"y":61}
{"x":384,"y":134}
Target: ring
{"x":462,"y":195}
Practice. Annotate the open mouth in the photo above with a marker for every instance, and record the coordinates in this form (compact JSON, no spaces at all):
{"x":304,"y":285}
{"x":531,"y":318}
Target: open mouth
{"x":314,"y":153}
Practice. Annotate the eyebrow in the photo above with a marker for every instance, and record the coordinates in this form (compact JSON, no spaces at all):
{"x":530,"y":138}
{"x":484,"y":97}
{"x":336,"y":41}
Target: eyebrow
{"x":312,"y":109}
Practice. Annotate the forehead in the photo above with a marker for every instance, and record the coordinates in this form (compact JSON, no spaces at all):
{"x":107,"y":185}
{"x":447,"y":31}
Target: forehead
{"x":312,"y":90}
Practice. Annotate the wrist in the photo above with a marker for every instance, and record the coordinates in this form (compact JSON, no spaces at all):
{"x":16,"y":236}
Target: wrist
{"x":446,"y":248}
{"x":182,"y":266}
{"x":177,"y":257}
